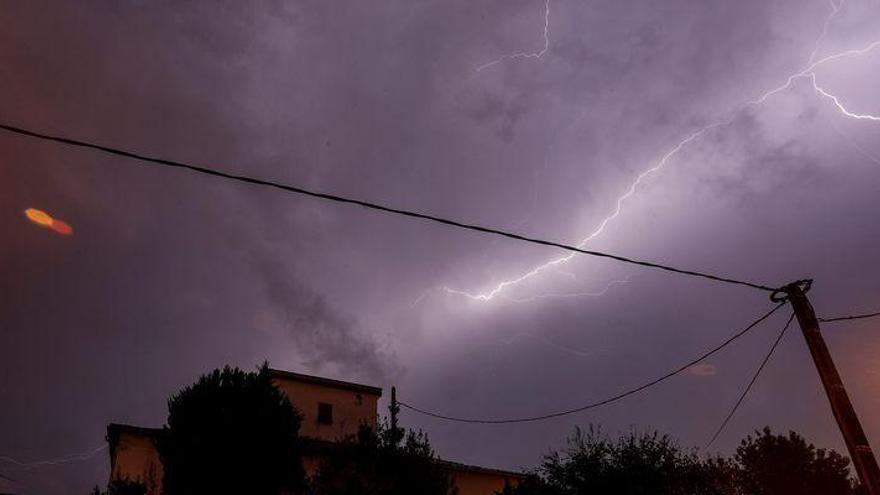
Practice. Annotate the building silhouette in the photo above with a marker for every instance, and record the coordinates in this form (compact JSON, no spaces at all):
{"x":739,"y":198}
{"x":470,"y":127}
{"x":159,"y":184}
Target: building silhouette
{"x":331,"y":411}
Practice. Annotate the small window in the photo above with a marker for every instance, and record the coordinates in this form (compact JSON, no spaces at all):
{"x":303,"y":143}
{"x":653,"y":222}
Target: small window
{"x":325,"y":413}
{"x":359,"y":399}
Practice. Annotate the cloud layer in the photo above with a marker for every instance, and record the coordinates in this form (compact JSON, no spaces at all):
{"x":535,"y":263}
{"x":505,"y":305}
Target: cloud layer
{"x":168,"y":275}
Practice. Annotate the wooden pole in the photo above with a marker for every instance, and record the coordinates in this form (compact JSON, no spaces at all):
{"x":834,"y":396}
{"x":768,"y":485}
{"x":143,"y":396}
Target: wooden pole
{"x":853,"y":434}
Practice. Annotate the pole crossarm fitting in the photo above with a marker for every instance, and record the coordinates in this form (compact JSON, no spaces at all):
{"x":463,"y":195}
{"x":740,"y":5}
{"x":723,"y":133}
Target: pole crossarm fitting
{"x":783,"y":294}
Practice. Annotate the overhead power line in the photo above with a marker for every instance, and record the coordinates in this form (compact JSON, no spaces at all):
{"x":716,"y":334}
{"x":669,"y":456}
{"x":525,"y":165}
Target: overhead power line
{"x":370,"y":205}
{"x":752,"y":382}
{"x":602,"y":402}
{"x":852,"y":317}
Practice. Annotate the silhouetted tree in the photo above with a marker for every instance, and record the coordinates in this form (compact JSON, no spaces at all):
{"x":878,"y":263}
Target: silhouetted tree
{"x":532,"y":484}
{"x":634,"y":464}
{"x":770,"y":464}
{"x":232,"y":432}
{"x":389,"y":461}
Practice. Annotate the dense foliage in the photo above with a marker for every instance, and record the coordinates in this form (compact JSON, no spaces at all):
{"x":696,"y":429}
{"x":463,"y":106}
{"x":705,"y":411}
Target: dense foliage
{"x":122,"y":487}
{"x":635,"y":464}
{"x":387,"y":462}
{"x":642,"y":464}
{"x":232,"y":432}
{"x":772,"y":464}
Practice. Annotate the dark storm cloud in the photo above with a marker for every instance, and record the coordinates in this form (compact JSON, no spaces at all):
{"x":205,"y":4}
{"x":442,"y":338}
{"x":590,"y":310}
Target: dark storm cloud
{"x":170,"y":274}
{"x":498,"y":113}
{"x":329,"y":341}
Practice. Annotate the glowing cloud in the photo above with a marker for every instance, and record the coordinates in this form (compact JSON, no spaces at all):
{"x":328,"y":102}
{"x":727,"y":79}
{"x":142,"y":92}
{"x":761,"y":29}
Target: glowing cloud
{"x":807,"y":73}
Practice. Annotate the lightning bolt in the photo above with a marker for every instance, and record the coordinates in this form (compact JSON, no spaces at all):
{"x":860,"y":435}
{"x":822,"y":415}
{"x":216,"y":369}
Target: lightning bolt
{"x":538,"y":54}
{"x":839,"y":105}
{"x":835,"y":9}
{"x":569,"y":295}
{"x":82,"y":456}
{"x":488,"y":296}
{"x":807,"y":72}
{"x":553,"y":295}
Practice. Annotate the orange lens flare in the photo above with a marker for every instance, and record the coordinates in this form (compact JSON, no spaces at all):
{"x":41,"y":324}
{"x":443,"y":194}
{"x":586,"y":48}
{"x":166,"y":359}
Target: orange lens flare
{"x":62,"y":228}
{"x":703,"y":369}
{"x":39,"y":217}
{"x":45,"y":220}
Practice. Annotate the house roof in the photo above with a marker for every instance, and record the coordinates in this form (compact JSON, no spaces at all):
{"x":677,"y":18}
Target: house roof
{"x":457,"y":466}
{"x":113,"y":428}
{"x":326,"y":382}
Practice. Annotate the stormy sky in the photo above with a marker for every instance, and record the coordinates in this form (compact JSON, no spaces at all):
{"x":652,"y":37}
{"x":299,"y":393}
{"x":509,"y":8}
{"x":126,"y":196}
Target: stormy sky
{"x":477,"y":111}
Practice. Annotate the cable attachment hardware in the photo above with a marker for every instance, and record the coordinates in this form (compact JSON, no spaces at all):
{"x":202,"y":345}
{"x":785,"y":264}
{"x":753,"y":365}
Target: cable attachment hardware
{"x":781,"y":295}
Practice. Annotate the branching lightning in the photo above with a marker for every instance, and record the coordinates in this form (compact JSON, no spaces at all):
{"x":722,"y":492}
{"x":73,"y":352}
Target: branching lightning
{"x":808,"y":73}
{"x":538,"y":54}
{"x":839,"y":105}
{"x":568,"y":295}
{"x":835,"y":9}
{"x":487,"y":296}
{"x":81,"y":456}
{"x":594,"y":293}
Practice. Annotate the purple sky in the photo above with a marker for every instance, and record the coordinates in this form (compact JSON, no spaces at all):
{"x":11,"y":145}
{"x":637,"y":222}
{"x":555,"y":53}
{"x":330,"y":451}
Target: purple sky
{"x":470,"y":110}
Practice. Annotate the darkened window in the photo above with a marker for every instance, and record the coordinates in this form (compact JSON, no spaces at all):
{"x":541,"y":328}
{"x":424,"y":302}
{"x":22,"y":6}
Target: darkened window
{"x":325,"y":413}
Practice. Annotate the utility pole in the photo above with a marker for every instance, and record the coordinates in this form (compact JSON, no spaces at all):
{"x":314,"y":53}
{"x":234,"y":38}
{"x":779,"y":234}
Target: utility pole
{"x":394,"y":409}
{"x":856,"y":441}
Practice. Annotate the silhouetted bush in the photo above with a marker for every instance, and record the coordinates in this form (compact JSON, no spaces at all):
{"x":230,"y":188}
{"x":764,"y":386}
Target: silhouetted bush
{"x":232,"y":432}
{"x":383,"y":462}
{"x":770,"y":464}
{"x":122,"y":487}
{"x":637,"y":464}
{"x":634,"y":464}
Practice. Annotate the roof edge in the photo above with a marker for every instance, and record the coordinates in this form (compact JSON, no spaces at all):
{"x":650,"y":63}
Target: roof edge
{"x":457,"y":466}
{"x":329,"y":382}
{"x":126,"y":428}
